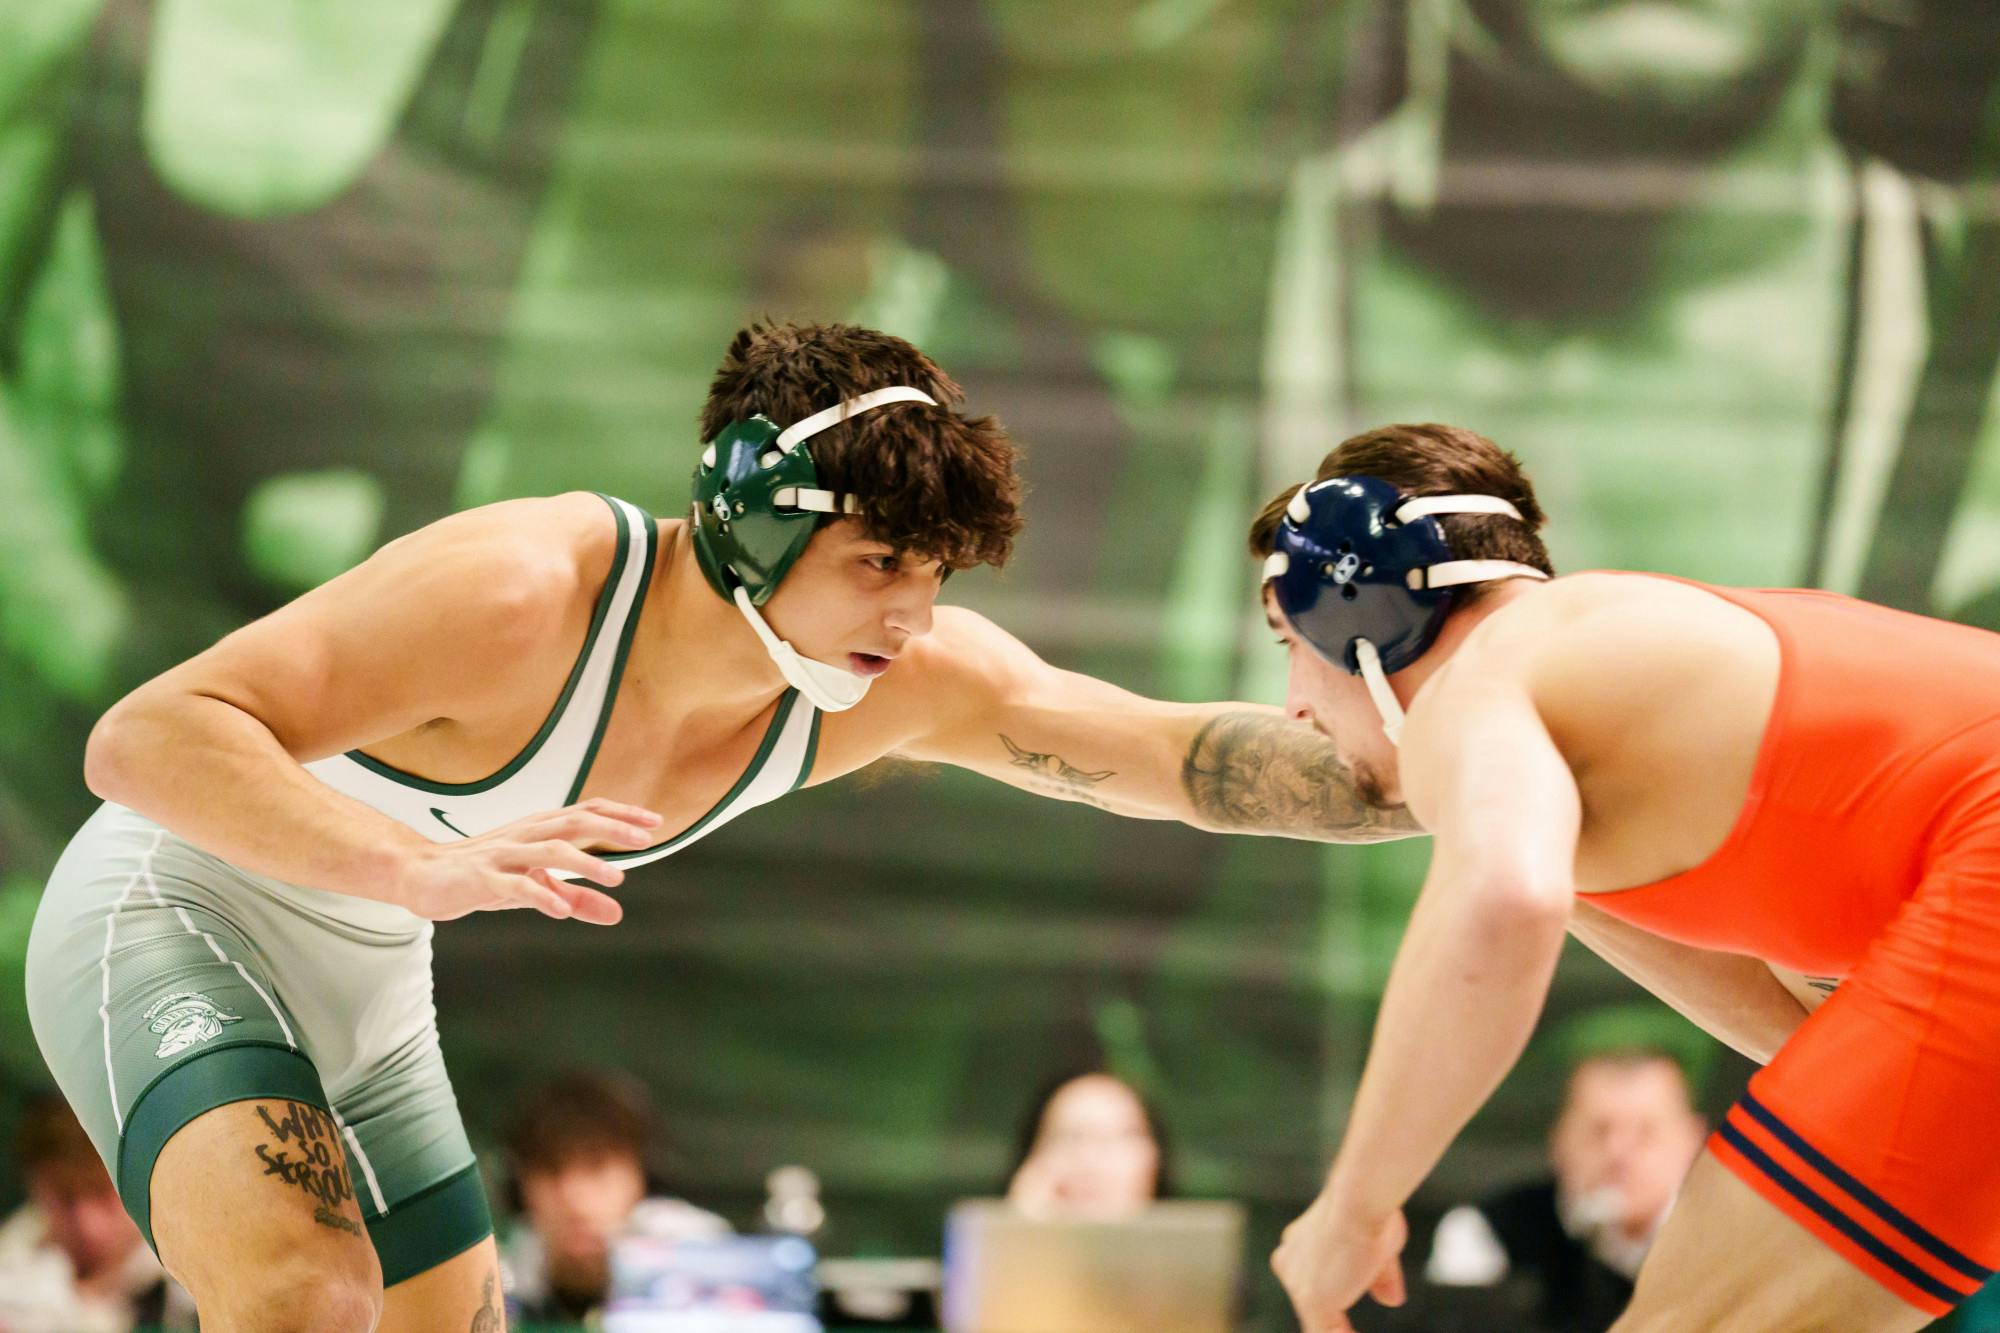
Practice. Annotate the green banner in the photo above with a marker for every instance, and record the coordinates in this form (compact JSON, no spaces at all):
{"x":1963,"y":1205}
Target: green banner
{"x":282,"y":280}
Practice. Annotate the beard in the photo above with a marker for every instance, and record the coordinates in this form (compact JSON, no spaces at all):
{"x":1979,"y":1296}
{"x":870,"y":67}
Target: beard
{"x":1369,"y":788}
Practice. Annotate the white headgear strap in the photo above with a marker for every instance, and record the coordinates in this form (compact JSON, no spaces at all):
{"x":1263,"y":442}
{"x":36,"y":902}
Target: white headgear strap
{"x":1377,"y":680}
{"x":831,"y":689}
{"x":792,"y":436}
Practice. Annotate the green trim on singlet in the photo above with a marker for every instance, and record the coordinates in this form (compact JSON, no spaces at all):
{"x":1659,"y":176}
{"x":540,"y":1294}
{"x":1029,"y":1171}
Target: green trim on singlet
{"x":812,"y":753}
{"x":240,"y":1072}
{"x":432,"y":1226}
{"x":618,"y":662}
{"x":756,"y":766}
{"x":514,"y":765}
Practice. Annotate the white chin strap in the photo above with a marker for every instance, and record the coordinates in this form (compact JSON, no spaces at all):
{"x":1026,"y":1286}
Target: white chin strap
{"x":1377,"y":680}
{"x":831,"y":689}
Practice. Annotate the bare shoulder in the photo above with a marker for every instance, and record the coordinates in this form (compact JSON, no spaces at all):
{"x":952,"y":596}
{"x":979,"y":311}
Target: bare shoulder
{"x":965,"y":654}
{"x":1600,"y":651}
{"x":497,"y":581}
{"x":958,"y":635}
{"x":1601,"y":622}
{"x":523,"y":552}
{"x":443,"y":623}
{"x":541,"y":531}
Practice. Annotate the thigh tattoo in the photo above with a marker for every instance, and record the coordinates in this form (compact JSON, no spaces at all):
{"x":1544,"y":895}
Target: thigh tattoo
{"x":304,"y":1151}
{"x":488,"y":1319}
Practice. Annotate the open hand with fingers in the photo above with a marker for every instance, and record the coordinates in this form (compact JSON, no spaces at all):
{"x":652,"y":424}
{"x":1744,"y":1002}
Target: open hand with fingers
{"x":1329,"y":1258}
{"x":517,"y":864}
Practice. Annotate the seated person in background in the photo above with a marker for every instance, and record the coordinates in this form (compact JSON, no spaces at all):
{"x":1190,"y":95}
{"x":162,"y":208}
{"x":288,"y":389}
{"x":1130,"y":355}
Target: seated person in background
{"x":1091,"y":1148}
{"x":1627,"y":1135}
{"x":71,"y":1260}
{"x":577,"y":1154}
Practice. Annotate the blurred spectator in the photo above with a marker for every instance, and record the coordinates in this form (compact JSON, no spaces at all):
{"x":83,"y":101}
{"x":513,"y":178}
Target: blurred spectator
{"x":577,"y":1155}
{"x":1091,"y":1148}
{"x":71,"y":1259}
{"x":1626,"y":1136}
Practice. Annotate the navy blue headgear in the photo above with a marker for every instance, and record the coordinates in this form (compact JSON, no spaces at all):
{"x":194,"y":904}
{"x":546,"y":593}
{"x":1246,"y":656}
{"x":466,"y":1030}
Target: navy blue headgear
{"x":1367,"y":578}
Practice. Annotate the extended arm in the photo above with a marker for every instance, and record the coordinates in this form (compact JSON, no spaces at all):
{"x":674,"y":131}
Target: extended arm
{"x":990,"y":705}
{"x":1733,"y":998}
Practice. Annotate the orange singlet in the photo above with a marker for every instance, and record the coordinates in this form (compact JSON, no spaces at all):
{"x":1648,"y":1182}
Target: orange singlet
{"x":1868,"y":847}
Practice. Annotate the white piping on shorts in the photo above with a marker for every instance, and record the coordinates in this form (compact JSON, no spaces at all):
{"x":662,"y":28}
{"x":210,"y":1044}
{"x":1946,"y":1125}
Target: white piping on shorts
{"x":367,"y":1167}
{"x":145,"y":872}
{"x":104,"y":971}
{"x":146,"y":869}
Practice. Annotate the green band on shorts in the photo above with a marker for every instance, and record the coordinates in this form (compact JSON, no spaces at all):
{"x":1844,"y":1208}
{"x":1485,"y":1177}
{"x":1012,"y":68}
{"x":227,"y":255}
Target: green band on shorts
{"x":244,"y":1071}
{"x":431,"y":1226}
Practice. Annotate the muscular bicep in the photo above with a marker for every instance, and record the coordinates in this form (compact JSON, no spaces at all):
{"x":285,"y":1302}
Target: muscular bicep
{"x":427,"y":627}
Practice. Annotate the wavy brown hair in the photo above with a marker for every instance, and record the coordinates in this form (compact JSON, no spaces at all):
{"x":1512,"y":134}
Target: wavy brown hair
{"x":932,"y":481}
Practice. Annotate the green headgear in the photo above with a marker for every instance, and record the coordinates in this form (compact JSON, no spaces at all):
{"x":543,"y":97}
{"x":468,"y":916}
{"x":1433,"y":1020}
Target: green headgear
{"x":756,"y":495}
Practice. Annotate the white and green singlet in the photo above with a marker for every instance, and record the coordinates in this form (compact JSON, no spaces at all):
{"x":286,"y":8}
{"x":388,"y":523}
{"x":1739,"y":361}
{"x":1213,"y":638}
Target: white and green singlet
{"x":164,"y":981}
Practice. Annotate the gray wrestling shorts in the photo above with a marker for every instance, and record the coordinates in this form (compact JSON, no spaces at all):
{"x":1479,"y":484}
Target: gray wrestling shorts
{"x":164,"y":982}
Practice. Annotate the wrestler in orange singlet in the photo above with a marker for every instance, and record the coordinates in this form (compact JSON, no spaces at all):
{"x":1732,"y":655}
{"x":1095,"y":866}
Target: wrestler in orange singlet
{"x":1705,"y":784}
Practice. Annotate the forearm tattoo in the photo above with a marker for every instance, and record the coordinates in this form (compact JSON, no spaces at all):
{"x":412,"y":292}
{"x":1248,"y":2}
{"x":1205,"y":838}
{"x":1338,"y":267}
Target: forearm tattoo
{"x":1055,"y":776}
{"x":304,"y":1152}
{"x":1252,"y":772}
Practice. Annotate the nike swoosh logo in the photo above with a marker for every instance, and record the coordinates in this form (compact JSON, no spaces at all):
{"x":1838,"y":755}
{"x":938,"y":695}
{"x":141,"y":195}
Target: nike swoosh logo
{"x":448,"y":824}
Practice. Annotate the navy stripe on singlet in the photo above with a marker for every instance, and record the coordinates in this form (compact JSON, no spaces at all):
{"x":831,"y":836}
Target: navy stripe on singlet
{"x":1874,"y":1202}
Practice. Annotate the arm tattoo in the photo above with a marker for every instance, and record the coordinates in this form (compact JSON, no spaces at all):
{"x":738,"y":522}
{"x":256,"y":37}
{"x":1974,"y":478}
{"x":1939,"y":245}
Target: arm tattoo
{"x":319,"y":1168}
{"x":1254,"y":773}
{"x":1055,"y":776}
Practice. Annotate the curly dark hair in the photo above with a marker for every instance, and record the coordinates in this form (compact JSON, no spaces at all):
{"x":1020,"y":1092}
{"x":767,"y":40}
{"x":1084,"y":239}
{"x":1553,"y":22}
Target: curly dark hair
{"x":931,"y":481}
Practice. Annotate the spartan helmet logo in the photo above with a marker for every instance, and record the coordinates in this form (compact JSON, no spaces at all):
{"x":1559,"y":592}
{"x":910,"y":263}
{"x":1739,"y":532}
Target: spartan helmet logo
{"x":183,"y":1019}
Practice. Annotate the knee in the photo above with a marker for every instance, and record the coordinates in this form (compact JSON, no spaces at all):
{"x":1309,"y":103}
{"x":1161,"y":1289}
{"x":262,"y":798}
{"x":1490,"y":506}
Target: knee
{"x":309,"y":1302}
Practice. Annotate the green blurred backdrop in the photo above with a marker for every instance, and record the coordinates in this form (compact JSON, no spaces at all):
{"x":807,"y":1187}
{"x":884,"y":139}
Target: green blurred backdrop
{"x":280,"y":280}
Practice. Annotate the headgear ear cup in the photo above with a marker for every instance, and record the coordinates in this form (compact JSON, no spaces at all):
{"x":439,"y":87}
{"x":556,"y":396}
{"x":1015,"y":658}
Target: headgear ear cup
{"x":1366,"y":577}
{"x":756,"y":498}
